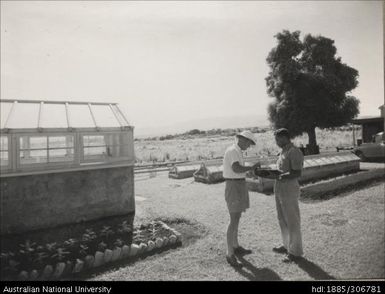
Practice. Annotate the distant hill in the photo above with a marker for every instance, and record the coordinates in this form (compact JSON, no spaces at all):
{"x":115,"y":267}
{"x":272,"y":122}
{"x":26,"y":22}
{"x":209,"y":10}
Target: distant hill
{"x":203,"y":124}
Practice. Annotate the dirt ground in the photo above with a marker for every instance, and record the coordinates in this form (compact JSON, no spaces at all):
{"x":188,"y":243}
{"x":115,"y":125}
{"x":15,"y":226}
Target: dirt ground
{"x":343,"y":236}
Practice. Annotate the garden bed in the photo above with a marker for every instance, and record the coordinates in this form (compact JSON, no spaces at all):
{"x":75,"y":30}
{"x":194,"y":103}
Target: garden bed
{"x":53,"y":261}
{"x":333,"y":186}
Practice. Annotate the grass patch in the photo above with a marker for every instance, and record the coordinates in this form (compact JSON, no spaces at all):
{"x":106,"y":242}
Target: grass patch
{"x":334,"y":248}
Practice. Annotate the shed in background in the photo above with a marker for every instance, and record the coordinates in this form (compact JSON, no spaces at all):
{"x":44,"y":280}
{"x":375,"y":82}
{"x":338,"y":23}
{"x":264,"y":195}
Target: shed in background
{"x":371,"y":125}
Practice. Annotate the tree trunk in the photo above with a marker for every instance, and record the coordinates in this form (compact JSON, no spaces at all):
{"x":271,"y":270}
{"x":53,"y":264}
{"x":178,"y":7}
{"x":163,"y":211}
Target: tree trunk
{"x":312,"y":147}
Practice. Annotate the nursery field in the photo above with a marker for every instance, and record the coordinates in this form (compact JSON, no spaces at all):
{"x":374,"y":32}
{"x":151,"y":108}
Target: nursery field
{"x":208,"y":147}
{"x":343,"y":235}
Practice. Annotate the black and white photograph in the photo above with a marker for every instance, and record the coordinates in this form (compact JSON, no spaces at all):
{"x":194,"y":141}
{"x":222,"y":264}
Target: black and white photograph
{"x":192,"y":141}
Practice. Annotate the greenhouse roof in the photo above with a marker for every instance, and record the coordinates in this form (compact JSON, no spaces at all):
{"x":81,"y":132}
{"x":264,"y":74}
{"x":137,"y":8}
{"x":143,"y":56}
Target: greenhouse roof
{"x":35,"y":115}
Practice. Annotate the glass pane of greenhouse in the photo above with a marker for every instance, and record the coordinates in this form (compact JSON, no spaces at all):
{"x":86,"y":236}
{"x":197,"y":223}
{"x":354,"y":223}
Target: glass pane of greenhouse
{"x":4,"y":143}
{"x":60,"y":155}
{"x":4,"y":161}
{"x":33,"y":156}
{"x":53,"y":116}
{"x":24,"y":116}
{"x":94,"y":147}
{"x":104,"y":116}
{"x":117,"y":145}
{"x":119,"y":115}
{"x":61,"y":148}
{"x":4,"y":113}
{"x":105,"y":146}
{"x":80,"y":116}
{"x":35,"y":142}
{"x":61,"y":141}
{"x":4,"y":155}
{"x":33,"y":149}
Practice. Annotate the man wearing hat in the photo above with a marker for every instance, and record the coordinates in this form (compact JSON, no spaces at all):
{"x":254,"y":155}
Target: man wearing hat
{"x":236,"y":193}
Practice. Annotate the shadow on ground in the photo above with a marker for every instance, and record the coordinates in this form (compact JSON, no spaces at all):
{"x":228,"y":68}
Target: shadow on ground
{"x":252,"y":273}
{"x":313,"y":270}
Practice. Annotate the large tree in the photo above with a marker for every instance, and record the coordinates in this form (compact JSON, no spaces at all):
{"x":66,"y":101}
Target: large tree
{"x":310,"y":85}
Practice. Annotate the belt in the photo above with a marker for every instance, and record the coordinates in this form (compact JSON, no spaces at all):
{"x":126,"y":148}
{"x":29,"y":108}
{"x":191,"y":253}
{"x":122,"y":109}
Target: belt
{"x":241,"y":179}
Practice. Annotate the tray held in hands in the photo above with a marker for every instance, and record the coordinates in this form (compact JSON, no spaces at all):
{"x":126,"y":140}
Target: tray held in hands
{"x":267,"y":173}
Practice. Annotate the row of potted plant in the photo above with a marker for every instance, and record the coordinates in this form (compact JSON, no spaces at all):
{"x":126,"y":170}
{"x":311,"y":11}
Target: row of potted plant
{"x":54,"y":261}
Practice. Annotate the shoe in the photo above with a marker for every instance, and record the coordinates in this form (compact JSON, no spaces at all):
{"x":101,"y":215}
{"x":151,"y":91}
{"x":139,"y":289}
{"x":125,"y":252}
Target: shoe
{"x":280,"y":249}
{"x":291,"y":258}
{"x":233,"y":261}
{"x":241,"y":250}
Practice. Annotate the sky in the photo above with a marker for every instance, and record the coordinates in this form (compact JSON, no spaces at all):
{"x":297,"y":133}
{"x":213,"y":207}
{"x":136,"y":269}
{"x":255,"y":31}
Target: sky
{"x":170,"y":63}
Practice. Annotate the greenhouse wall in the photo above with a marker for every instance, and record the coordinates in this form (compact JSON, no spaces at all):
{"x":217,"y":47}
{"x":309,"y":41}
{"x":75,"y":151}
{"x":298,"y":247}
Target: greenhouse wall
{"x":47,"y":200}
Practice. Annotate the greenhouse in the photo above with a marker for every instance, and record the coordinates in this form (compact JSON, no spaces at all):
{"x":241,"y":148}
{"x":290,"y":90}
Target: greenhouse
{"x":50,"y":135}
{"x":64,"y":155}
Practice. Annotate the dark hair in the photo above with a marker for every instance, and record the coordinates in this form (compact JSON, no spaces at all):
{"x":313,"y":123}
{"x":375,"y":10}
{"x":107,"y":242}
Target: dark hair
{"x":282,"y":133}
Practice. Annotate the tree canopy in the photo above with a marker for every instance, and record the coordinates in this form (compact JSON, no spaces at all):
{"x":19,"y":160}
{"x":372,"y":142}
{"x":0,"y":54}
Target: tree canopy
{"x":310,"y":85}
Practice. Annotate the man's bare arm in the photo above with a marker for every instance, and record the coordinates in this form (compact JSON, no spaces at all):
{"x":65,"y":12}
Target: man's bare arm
{"x":292,"y":174}
{"x":238,"y":168}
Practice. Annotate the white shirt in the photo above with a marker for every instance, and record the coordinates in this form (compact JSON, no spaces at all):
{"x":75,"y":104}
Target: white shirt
{"x":232,"y":154}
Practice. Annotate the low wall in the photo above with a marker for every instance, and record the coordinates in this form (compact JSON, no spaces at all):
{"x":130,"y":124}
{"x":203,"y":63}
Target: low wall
{"x":317,"y":189}
{"x":49,"y":200}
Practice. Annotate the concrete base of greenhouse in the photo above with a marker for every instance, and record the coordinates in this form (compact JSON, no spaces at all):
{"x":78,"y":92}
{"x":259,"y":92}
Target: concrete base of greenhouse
{"x":45,"y":201}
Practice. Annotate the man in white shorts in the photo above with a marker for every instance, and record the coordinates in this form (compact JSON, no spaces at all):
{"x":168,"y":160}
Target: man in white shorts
{"x":236,"y":193}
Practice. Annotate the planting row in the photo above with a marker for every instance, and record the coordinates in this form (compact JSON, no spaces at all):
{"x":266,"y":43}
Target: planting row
{"x":65,"y":261}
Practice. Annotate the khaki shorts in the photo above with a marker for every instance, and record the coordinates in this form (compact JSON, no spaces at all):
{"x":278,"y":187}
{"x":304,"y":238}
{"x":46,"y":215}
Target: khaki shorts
{"x":237,"y":195}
